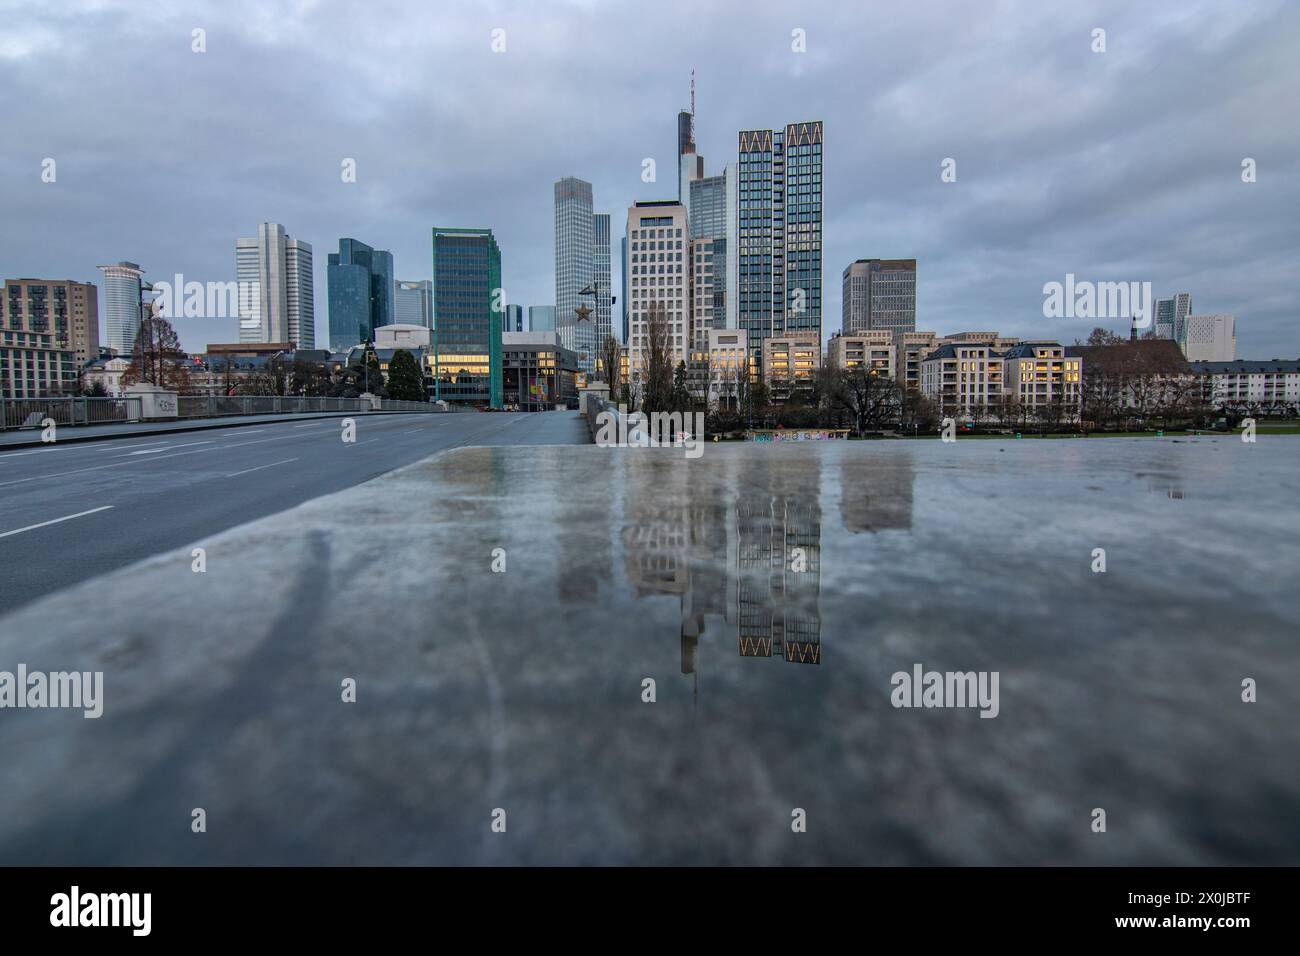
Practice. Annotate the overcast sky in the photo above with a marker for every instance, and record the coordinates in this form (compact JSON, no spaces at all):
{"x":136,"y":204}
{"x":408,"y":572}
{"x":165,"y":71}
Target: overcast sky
{"x":1122,"y":165}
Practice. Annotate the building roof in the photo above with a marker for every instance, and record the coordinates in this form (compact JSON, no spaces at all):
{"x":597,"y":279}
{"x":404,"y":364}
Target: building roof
{"x":1246,"y":366}
{"x":1026,"y":349}
{"x":1163,"y":351}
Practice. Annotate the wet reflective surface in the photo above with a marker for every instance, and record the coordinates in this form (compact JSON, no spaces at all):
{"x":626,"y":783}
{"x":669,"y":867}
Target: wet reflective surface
{"x":769,"y":591}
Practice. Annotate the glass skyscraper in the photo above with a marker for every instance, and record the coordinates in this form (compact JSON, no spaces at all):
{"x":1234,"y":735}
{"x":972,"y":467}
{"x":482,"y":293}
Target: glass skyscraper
{"x":361,"y":291}
{"x":413,"y":303}
{"x":122,"y":291}
{"x":576,"y":268}
{"x":541,"y":318}
{"x":467,"y":316}
{"x":779,"y":280}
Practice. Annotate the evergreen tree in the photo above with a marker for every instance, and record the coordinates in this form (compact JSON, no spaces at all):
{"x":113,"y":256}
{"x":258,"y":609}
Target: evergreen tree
{"x":405,"y":382}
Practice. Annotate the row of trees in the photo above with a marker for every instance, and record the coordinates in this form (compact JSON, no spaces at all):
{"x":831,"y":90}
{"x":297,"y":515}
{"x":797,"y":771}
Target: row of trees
{"x":158,"y":359}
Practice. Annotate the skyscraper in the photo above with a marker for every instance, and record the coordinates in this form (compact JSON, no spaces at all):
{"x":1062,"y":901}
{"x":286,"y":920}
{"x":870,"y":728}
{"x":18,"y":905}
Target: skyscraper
{"x":658,"y":254}
{"x":122,"y":295}
{"x":779,"y":285}
{"x":879,"y":294}
{"x":1171,"y":314}
{"x":276,"y":292}
{"x":541,"y":318}
{"x":574,"y":263}
{"x":601,"y":277}
{"x":624,"y":260}
{"x":361,"y":293}
{"x":413,"y":303}
{"x":467,"y":316}
{"x":514,"y":319}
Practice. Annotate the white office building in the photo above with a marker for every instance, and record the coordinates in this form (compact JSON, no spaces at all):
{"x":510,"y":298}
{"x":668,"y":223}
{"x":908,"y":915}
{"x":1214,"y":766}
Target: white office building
{"x":123,"y":289}
{"x":413,"y":303}
{"x":276,"y":294}
{"x":1209,"y":338}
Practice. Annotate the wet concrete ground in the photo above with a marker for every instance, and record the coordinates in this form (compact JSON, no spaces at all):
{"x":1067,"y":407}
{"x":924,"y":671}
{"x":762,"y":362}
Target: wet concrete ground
{"x":770,"y":592}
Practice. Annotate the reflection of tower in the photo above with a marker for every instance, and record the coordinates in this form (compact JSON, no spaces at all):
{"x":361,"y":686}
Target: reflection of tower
{"x":778,"y":564}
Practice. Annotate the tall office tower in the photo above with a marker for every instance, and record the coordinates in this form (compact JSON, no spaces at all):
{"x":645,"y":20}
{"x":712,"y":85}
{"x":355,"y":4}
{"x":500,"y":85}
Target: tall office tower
{"x":623,"y":269}
{"x":602,"y":278}
{"x":880,"y":294}
{"x":413,"y":303}
{"x":62,"y":308}
{"x":1209,"y":338}
{"x":779,"y":278}
{"x":658,"y":252}
{"x":712,"y":216}
{"x":1170,"y":314}
{"x":361,"y":293}
{"x":467,"y":316}
{"x":276,"y":293}
{"x":574,"y":263}
{"x":123,"y":290}
{"x":541,"y":318}
{"x":514,"y":319}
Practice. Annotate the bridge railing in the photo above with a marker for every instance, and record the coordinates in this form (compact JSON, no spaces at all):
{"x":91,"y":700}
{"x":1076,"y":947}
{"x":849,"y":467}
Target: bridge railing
{"x":66,"y":410}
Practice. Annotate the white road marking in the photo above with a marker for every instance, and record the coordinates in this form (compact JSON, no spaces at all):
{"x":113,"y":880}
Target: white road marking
{"x":33,"y":527}
{"x":260,"y":467}
{"x":156,"y":451}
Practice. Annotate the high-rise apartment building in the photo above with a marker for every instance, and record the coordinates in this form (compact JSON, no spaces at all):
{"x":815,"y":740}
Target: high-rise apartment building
{"x":413,"y":303}
{"x":658,"y":281}
{"x":38,"y":353}
{"x":123,"y":293}
{"x":602,"y":278}
{"x":467,"y":316}
{"x":779,"y":198}
{"x":361,"y":293}
{"x":69,"y":310}
{"x":880,"y":294}
{"x":276,"y":291}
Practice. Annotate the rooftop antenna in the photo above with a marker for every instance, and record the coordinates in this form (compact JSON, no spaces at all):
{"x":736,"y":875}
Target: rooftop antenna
{"x":692,"y":106}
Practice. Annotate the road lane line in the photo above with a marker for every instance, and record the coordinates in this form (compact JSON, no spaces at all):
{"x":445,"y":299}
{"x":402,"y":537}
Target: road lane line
{"x":260,"y":467}
{"x":158,"y":451}
{"x":33,"y":527}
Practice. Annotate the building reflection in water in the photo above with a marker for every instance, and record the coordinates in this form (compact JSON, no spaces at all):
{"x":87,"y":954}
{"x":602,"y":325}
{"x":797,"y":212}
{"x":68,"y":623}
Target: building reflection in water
{"x":738,"y":538}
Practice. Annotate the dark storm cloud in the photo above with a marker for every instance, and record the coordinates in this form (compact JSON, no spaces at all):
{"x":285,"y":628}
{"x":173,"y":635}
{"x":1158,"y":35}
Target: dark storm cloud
{"x":1121,"y":166}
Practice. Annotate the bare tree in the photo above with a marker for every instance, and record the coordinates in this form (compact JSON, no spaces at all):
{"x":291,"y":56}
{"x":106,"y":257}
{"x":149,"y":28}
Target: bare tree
{"x":156,"y":357}
{"x":657,"y":395}
{"x":870,"y":396}
{"x":611,"y":365}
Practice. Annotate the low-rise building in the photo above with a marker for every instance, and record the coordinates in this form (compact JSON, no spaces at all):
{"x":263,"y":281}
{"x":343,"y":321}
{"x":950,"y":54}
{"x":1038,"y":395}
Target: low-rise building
{"x":873,"y":348}
{"x":537,"y":372}
{"x":1271,"y":387}
{"x":1041,"y":379}
{"x":963,"y":379}
{"x":790,"y":364}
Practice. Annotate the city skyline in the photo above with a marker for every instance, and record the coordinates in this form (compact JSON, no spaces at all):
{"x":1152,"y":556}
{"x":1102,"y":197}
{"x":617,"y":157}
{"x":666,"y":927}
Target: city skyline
{"x":1058,"y":185}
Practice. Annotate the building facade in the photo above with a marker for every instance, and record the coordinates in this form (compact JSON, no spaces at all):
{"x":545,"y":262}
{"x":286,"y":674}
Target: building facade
{"x":779,"y":233}
{"x":68,"y":309}
{"x":790,"y":364}
{"x":467,"y":316}
{"x":413,"y":303}
{"x":658,"y":280}
{"x":574,"y":264}
{"x":541,"y":318}
{"x":1038,"y":376}
{"x":276,"y":289}
{"x":879,"y":294}
{"x":537,"y":372}
{"x":1209,"y":338}
{"x":1170,"y":314}
{"x":35,"y":362}
{"x":361,"y":292}
{"x":124,"y":290}
{"x":601,"y":277}
{"x":1271,"y":387}
{"x":514,"y":319}
{"x":874,"y":349}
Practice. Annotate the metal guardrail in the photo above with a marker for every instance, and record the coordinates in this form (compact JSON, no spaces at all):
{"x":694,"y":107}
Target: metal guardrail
{"x":219,"y":406}
{"x":31,"y":412}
